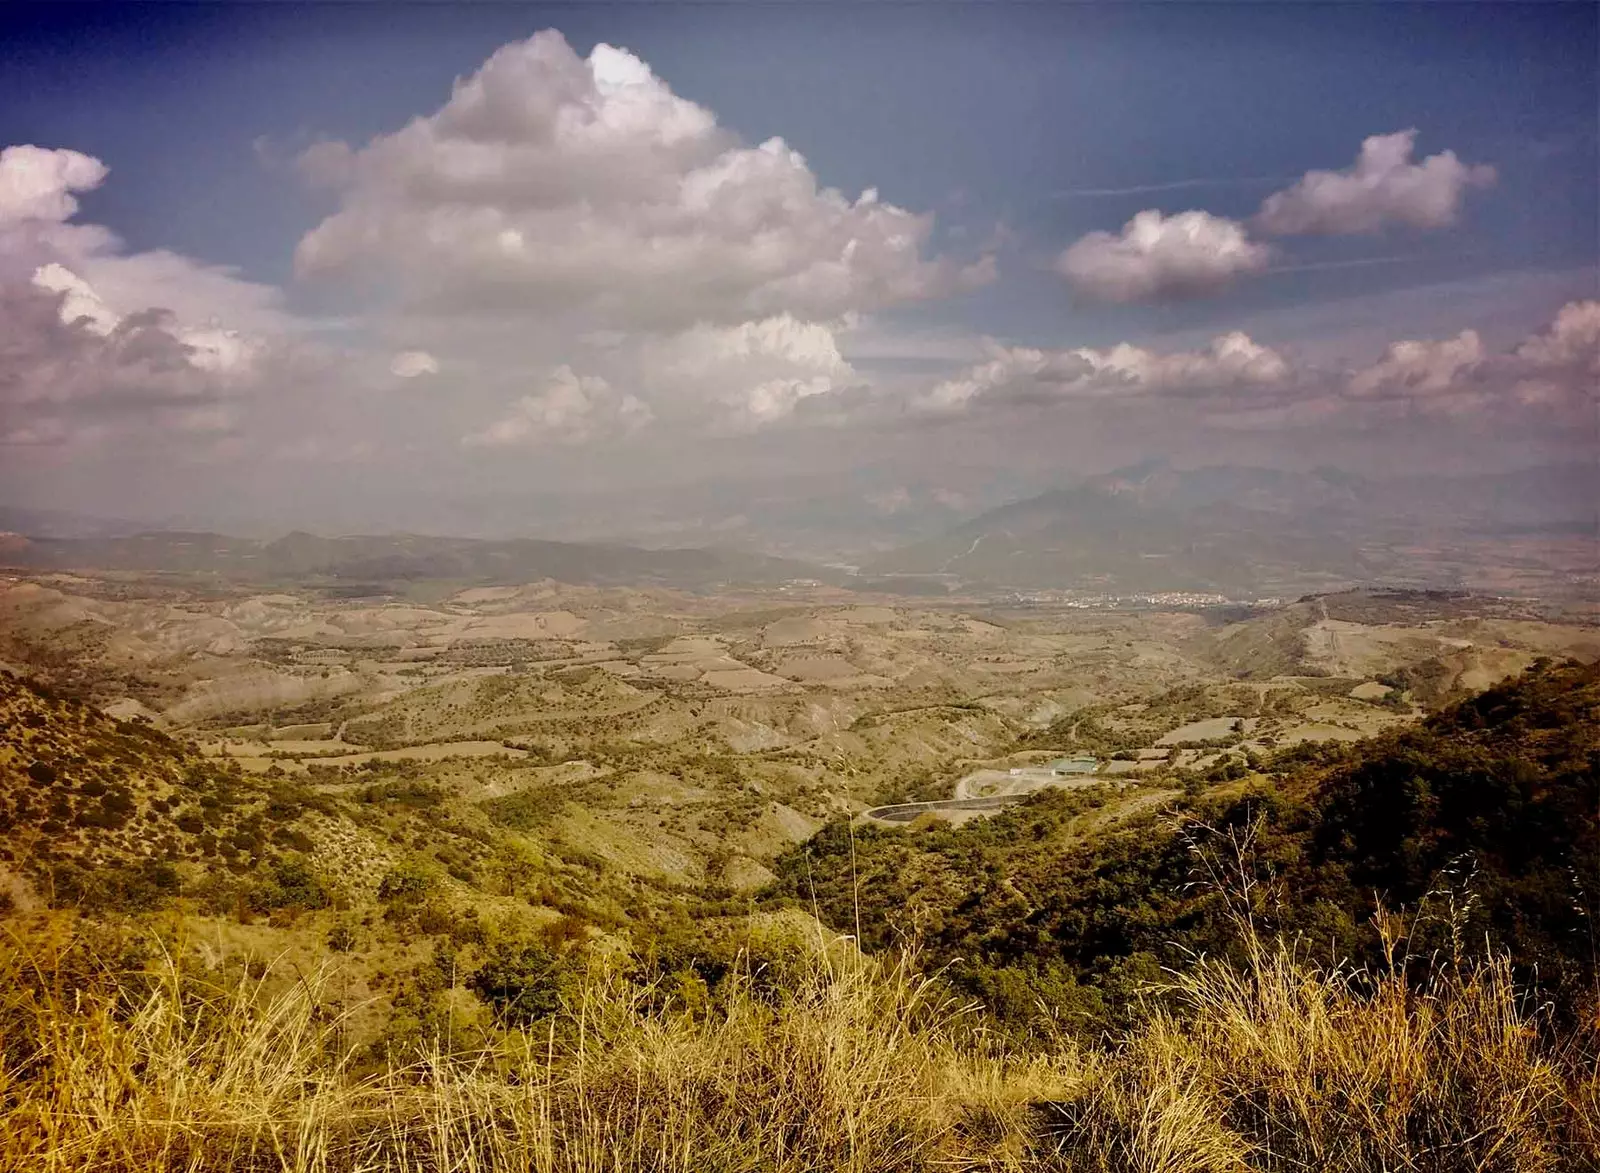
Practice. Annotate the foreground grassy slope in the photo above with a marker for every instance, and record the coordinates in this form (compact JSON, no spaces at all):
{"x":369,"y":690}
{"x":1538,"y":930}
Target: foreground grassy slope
{"x":851,"y":1064}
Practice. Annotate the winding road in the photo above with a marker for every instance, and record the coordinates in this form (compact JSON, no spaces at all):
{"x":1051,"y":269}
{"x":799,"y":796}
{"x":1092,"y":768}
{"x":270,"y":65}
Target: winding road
{"x":1005,"y":787}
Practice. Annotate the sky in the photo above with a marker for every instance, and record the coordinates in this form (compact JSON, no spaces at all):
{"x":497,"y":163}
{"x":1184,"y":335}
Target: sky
{"x":641,"y":271}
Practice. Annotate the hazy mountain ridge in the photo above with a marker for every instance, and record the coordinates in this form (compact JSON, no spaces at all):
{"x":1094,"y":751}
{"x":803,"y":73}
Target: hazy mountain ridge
{"x":378,"y":559}
{"x":1147,"y":527}
{"x":1153,"y":527}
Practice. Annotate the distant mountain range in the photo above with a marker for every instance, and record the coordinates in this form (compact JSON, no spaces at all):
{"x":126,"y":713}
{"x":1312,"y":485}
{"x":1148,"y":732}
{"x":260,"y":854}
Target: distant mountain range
{"x":359,"y":563}
{"x":1146,"y":528}
{"x":1153,"y":527}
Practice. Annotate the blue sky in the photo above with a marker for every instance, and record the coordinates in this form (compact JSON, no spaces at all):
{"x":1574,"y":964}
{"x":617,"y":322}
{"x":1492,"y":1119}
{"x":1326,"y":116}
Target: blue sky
{"x":1021,"y":129}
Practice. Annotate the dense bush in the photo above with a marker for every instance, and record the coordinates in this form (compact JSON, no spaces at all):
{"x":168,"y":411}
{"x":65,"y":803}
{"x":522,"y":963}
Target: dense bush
{"x":522,"y":984}
{"x":289,"y":883}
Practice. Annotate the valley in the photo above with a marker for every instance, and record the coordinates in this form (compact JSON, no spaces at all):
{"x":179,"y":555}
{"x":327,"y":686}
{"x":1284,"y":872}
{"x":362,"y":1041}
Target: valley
{"x":687,"y":738}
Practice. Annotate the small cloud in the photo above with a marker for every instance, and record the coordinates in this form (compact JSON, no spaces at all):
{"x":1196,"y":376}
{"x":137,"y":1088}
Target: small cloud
{"x":36,"y":183}
{"x":572,"y":409}
{"x":1382,"y":187}
{"x":1023,"y":375}
{"x":1415,"y":369}
{"x":1185,"y":255}
{"x":409,"y":364}
{"x":1572,"y":341}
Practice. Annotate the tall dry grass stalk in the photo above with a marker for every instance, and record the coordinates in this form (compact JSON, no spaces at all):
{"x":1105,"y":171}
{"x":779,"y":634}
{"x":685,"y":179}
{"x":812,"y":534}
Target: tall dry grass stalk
{"x":864,"y":1066}
{"x":1284,"y":1066}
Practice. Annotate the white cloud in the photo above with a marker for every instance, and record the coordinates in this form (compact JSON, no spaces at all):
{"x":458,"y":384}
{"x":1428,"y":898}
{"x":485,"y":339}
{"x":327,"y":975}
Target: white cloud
{"x":551,"y":184}
{"x":224,"y":352}
{"x":782,"y":339}
{"x":61,"y":379}
{"x":37,"y":183}
{"x":79,"y":302}
{"x":750,"y":375}
{"x":776,"y":399}
{"x":571,"y":409}
{"x":1559,"y":370}
{"x":409,"y":364}
{"x":202,"y":295}
{"x":96,"y":342}
{"x":1553,"y":375}
{"x":205,"y":348}
{"x":1572,"y":341}
{"x":1156,"y":256}
{"x":1550,"y":380}
{"x":38,"y":235}
{"x":1417,"y":369}
{"x":1382,"y":187}
{"x":1232,"y":362}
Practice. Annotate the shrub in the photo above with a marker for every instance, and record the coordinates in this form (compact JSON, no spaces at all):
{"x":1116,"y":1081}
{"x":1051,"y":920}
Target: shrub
{"x":406,"y":885}
{"x":289,"y":884}
{"x":521,"y":984}
{"x":341,"y":938}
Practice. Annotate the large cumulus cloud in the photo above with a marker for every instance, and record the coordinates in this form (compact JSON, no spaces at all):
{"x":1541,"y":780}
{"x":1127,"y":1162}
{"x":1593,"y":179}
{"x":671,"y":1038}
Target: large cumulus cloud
{"x":560,"y":185}
{"x":569,"y":213}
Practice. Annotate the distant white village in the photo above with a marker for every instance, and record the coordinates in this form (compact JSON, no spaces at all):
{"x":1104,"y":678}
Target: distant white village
{"x":1094,"y":601}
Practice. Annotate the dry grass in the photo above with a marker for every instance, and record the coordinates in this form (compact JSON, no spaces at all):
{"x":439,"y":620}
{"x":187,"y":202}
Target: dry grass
{"x":1285,"y":1066}
{"x":862,"y":1066}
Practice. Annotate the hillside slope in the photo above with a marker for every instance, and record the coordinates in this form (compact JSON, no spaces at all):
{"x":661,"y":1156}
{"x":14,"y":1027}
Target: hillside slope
{"x":1482,"y":822}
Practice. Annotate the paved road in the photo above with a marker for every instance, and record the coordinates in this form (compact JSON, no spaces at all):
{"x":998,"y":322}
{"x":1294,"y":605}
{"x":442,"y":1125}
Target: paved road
{"x":1010,"y":789}
{"x":991,"y":782}
{"x":904,"y":812}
